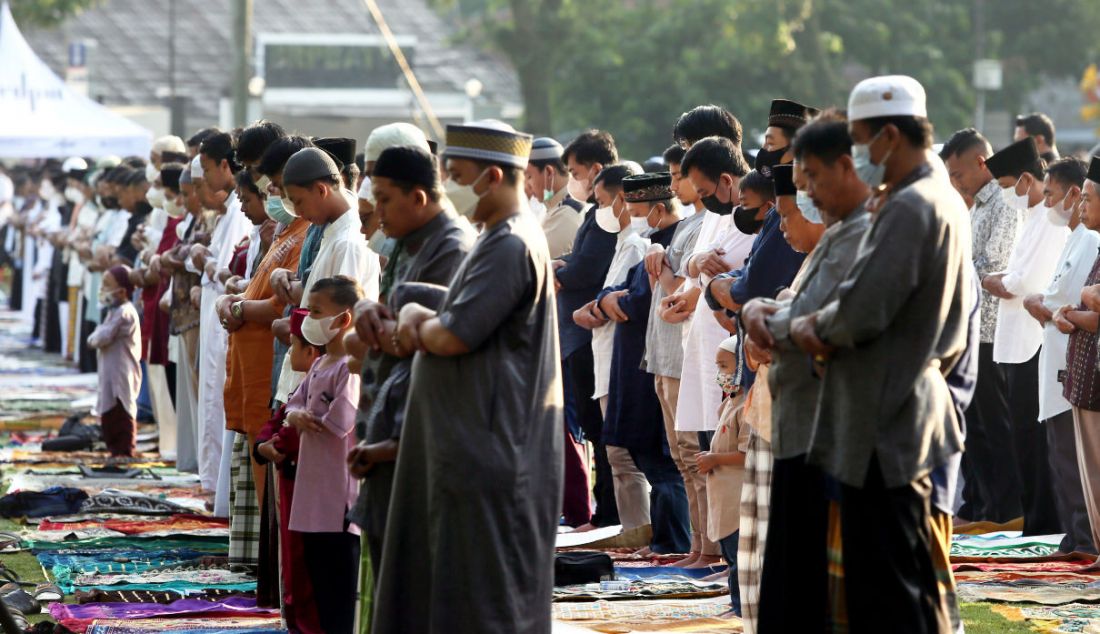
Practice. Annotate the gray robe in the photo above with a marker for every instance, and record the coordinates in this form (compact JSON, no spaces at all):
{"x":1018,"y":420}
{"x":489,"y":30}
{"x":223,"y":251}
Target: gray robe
{"x":477,"y":493}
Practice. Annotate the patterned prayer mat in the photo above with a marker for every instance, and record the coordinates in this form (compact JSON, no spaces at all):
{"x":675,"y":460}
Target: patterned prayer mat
{"x":1044,"y":594}
{"x":1003,"y":546}
{"x":260,"y":625}
{"x":649,"y":616}
{"x":656,"y":589}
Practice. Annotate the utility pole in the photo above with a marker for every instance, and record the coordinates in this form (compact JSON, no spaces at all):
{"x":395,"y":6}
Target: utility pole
{"x":242,"y":59}
{"x":175,"y":109}
{"x":979,"y":53}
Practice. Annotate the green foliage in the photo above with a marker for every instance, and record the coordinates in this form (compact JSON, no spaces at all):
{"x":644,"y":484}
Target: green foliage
{"x":47,"y":13}
{"x":633,"y":67}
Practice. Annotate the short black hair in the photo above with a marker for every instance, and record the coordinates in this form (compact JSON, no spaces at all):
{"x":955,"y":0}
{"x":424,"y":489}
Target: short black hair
{"x":279,"y":152}
{"x":556,"y":163}
{"x":170,"y":176}
{"x":340,"y":289}
{"x":307,"y":344}
{"x":756,"y":182}
{"x":917,"y":130}
{"x":591,"y":147}
{"x":612,"y":177}
{"x":714,"y":156}
{"x":220,"y":146}
{"x":826,"y":138}
{"x":256,"y":138}
{"x":409,"y":167}
{"x":1070,"y":171}
{"x":1035,"y":124}
{"x":963,"y":141}
{"x":674,"y":154}
{"x":200,"y":136}
{"x":706,"y":121}
{"x":244,"y":179}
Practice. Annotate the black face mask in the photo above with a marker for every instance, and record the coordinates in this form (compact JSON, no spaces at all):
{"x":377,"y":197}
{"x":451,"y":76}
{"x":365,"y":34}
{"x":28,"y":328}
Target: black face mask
{"x":766,"y":160}
{"x":110,"y":202}
{"x":745,"y":220}
{"x":716,"y":206}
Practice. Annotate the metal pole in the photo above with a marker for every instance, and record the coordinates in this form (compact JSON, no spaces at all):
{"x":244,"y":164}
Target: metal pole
{"x":242,"y":59}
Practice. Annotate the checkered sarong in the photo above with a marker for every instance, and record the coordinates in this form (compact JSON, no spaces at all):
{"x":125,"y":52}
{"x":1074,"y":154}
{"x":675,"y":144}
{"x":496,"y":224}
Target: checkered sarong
{"x":756,"y":494}
{"x":244,"y":508}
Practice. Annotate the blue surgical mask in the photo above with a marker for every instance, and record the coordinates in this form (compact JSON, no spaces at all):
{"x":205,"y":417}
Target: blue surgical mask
{"x":806,"y":205}
{"x":277,"y":212}
{"x":867,"y":171}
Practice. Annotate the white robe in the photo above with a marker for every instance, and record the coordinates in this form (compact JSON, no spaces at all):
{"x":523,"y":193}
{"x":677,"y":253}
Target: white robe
{"x":700,"y":396}
{"x":213,"y":343}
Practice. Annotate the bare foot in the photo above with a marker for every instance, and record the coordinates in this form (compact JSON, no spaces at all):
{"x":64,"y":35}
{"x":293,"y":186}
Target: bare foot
{"x":705,"y":561}
{"x":584,"y":528}
{"x":1093,"y":566}
{"x":716,"y":577}
{"x":686,"y":562}
{"x":643,"y":552}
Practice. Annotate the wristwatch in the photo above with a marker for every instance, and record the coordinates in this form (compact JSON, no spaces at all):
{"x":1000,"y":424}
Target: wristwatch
{"x":237,"y":310}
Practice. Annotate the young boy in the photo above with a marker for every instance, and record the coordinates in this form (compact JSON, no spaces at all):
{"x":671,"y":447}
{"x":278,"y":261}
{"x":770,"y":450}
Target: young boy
{"x":117,"y":342}
{"x":322,"y":410}
{"x":278,"y":443}
{"x":724,"y":466}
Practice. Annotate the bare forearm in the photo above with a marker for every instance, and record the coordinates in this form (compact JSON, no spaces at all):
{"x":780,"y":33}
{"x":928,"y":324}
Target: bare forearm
{"x":1084,"y":319}
{"x":438,"y":340}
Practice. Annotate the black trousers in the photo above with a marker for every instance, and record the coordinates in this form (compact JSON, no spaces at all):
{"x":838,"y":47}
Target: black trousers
{"x":889,"y":577}
{"x":1032,"y":456}
{"x":992,"y":487}
{"x":1069,"y":496}
{"x":582,"y":376}
{"x":796,"y":554}
{"x":332,"y":560}
{"x":88,"y":361}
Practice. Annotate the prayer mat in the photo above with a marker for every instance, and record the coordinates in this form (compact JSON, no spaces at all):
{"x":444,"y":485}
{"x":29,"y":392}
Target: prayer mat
{"x":244,"y":509}
{"x":252,"y":625}
{"x":130,"y":526}
{"x":1074,"y":565}
{"x":1006,"y":545}
{"x":79,"y":617}
{"x":688,"y":589}
{"x":1044,"y":594}
{"x":657,"y":615}
{"x":210,"y":546}
{"x":667,"y":573}
{"x":1074,"y":617}
{"x":152,"y":596}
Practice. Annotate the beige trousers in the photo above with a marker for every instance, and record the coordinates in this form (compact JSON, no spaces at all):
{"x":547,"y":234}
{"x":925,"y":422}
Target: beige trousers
{"x":684,"y":447}
{"x":631,"y":487}
{"x":1086,"y":425}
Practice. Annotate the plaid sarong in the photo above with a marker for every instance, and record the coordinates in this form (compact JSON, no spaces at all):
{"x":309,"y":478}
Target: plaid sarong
{"x":244,"y":509}
{"x":756,"y":493}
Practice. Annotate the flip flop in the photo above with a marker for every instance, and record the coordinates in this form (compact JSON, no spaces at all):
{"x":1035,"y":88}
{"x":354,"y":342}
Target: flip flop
{"x":47,"y":593}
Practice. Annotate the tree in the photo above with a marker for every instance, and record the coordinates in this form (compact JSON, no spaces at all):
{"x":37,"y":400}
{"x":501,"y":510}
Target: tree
{"x":47,"y":13}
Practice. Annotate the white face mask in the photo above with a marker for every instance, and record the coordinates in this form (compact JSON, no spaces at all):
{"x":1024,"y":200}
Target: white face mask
{"x":1012,"y":199}
{"x":578,"y":189}
{"x":607,"y":220}
{"x":151,"y":172}
{"x":640,"y":225}
{"x":107,"y":298}
{"x":156,"y":197}
{"x":538,"y":208}
{"x":466,"y":194}
{"x":74,"y":195}
{"x":262,"y":184}
{"x":173,"y":208}
{"x":1059,"y":215}
{"x":320,"y":332}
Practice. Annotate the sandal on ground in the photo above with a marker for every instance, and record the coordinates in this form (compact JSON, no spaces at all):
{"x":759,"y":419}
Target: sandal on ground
{"x":48,"y":593}
{"x":16,"y":597}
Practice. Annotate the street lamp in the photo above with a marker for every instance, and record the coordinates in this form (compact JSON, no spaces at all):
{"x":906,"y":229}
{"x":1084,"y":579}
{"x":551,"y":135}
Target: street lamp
{"x":473,"y":91}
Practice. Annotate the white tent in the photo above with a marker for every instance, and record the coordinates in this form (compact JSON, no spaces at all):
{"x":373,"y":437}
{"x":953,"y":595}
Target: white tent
{"x":41,"y":118}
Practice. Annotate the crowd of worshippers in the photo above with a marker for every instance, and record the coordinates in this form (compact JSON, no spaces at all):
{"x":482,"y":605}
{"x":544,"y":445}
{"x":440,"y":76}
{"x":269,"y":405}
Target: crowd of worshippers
{"x":403,"y":373}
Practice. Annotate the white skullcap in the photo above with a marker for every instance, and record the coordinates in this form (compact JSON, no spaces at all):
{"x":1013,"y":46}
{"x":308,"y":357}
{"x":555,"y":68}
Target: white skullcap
{"x":169,"y":143}
{"x":74,"y":164}
{"x":393,"y":135}
{"x":545,"y":149}
{"x":365,"y":191}
{"x":887,"y":96}
{"x":196,"y":168}
{"x":729,"y":345}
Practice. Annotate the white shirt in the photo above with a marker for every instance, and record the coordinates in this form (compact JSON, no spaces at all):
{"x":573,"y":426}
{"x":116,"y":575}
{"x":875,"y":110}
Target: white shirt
{"x":630,"y":249}
{"x":1076,"y":262}
{"x":700,"y":396}
{"x":87,"y":217}
{"x":343,"y":251}
{"x":1030,"y":269}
